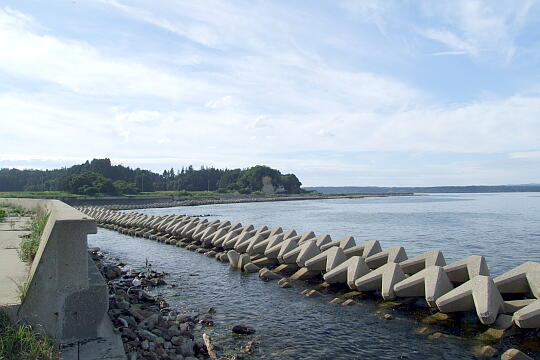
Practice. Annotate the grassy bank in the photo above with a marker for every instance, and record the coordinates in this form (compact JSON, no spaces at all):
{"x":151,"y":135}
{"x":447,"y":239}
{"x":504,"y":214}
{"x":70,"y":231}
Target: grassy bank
{"x":21,"y":343}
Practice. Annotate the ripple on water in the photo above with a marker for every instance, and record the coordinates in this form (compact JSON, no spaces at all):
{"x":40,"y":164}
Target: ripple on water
{"x":292,"y":326}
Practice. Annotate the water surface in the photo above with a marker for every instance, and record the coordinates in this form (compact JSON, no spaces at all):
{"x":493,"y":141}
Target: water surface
{"x":505,"y":228}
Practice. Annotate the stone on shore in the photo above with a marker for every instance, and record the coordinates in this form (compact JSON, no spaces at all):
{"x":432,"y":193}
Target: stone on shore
{"x":243,"y":330}
{"x":234,"y":258}
{"x":515,"y":354}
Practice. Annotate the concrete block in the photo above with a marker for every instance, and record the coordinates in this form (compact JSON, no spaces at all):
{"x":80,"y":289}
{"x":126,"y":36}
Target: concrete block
{"x":326,"y":260}
{"x":524,"y":279}
{"x":307,"y":251}
{"x":304,"y":274}
{"x":422,"y":261}
{"x":243,"y":260}
{"x":322,"y":240}
{"x":264,"y":261}
{"x":250,"y":268}
{"x":266,"y":274}
{"x":365,"y":249}
{"x":467,"y":269}
{"x":344,"y":243}
{"x":234,"y":258}
{"x":394,"y":254}
{"x":253,"y":241}
{"x":283,"y":248}
{"x":286,"y":269}
{"x":529,"y":316}
{"x":383,"y":278}
{"x":480,"y":294}
{"x":431,"y":283}
{"x":347,"y":272}
{"x":512,"y":306}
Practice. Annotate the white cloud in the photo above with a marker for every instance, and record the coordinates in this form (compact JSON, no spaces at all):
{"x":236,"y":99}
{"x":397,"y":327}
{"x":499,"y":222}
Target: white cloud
{"x":80,"y":68}
{"x":525,"y":155}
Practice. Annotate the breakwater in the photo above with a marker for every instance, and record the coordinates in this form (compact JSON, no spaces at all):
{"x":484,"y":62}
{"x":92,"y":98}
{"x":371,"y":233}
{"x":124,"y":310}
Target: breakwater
{"x":188,"y":240}
{"x":149,"y":202}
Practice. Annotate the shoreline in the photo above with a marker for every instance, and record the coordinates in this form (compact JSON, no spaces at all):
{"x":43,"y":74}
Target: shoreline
{"x":133,"y":203}
{"x":149,"y":327}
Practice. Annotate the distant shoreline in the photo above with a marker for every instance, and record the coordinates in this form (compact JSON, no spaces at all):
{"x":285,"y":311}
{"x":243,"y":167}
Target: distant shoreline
{"x":145,"y":202}
{"x":329,"y":190}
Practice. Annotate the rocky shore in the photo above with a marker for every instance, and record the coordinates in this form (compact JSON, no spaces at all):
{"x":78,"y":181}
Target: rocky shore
{"x":150,"y":329}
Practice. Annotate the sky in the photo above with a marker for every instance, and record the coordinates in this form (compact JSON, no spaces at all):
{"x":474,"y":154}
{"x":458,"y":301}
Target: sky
{"x":345,"y":92}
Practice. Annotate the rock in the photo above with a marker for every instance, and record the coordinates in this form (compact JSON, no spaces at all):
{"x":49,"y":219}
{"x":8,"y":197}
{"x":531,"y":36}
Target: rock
{"x":150,"y":322}
{"x":436,"y":318}
{"x":491,"y":335}
{"x":177,"y":340}
{"x":112,"y":272}
{"x":514,"y":354}
{"x":147,"y":335}
{"x":336,"y":301}
{"x":144,"y":344}
{"x":348,"y":302}
{"x":388,"y":317}
{"x":424,"y":330}
{"x":187,"y":348}
{"x":243,"y":330}
{"x":485,"y":352}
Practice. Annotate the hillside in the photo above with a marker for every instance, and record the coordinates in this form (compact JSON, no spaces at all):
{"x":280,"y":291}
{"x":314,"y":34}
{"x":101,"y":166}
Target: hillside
{"x":99,"y":176}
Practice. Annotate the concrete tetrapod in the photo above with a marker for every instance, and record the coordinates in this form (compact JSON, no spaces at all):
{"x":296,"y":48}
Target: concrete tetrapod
{"x":432,"y":283}
{"x":394,"y":254}
{"x":321,"y":240}
{"x":261,"y":247}
{"x":480,"y":294}
{"x":307,"y":252}
{"x":384,"y":278}
{"x":365,"y":249}
{"x":347,"y":272}
{"x":528,"y":317}
{"x":344,"y":243}
{"x":291,"y":256}
{"x":467,"y":269}
{"x":327,"y":260}
{"x":283,"y":248}
{"x":524,"y":279}
{"x":422,"y":261}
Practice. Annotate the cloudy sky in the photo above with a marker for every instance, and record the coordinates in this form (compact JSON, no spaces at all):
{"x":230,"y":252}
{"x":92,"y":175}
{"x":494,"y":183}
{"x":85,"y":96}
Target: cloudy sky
{"x":366,"y":92}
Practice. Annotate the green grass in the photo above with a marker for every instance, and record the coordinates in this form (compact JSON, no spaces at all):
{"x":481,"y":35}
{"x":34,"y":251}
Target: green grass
{"x":21,"y":343}
{"x":3,"y":214}
{"x":35,"y":194}
{"x":30,"y":245}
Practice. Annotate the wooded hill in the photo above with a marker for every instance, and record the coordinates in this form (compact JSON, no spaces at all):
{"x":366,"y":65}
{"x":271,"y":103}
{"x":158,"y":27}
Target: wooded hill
{"x":99,"y":176}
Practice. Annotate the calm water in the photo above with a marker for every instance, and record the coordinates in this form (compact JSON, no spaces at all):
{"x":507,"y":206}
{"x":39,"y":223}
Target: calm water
{"x":505,"y":228}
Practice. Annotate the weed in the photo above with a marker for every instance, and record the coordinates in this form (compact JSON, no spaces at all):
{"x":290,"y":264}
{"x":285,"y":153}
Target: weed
{"x":30,"y":245}
{"x":21,"y":343}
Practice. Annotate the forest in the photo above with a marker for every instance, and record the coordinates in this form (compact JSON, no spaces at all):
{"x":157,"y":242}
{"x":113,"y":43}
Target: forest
{"x":100,"y":177}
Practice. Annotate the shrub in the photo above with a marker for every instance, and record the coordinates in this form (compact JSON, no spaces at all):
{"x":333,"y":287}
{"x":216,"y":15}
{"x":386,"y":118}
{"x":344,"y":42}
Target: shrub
{"x":3,"y":214}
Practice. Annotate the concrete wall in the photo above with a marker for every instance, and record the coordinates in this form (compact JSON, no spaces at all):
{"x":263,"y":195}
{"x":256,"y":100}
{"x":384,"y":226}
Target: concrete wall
{"x":67,"y":297}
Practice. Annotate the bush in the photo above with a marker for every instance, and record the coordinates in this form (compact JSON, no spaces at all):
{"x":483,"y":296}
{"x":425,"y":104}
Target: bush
{"x":21,"y":343}
{"x":30,"y":245}
{"x":3,"y":214}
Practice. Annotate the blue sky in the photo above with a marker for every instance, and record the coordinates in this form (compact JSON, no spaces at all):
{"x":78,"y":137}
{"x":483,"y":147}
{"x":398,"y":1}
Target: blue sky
{"x":365,"y":92}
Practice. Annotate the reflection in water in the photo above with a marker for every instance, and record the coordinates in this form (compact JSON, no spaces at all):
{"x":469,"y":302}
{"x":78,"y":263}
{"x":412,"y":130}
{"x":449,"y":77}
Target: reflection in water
{"x":502,"y":227}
